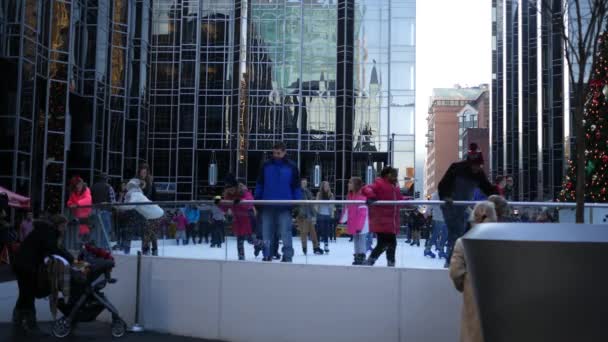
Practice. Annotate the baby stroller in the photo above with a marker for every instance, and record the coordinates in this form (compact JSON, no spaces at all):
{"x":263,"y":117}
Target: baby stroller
{"x":87,"y":300}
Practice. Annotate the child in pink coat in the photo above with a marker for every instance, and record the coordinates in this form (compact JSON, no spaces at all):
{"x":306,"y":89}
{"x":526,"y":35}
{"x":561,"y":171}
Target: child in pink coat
{"x":356,"y":216}
{"x":180,"y":230}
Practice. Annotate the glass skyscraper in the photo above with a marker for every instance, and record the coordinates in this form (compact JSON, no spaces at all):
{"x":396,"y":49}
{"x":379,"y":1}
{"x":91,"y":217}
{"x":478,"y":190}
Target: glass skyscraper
{"x":102,"y":85}
{"x":531,"y":120}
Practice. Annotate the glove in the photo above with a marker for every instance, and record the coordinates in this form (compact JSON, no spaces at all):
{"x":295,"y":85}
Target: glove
{"x":371,"y":201}
{"x":236,"y":201}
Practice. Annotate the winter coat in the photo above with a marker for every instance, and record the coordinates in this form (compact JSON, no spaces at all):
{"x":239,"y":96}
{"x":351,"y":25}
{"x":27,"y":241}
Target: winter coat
{"x":102,"y":192}
{"x":241,"y":222}
{"x":81,"y":199}
{"x":181,"y":222}
{"x":470,"y":326}
{"x":356,"y":215}
{"x":384,"y":218}
{"x":82,"y":214}
{"x":459,"y":183}
{"x":325,"y":209}
{"x":193,"y":215}
{"x":278,"y":180}
{"x":42,"y":242}
{"x":306,"y":211}
{"x":135,"y":195}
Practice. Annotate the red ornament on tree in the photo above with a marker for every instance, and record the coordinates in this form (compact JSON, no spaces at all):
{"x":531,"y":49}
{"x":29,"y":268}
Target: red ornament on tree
{"x":605,"y":158}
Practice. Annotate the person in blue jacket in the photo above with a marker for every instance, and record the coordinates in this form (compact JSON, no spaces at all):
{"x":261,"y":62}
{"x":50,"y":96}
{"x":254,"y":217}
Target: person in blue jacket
{"x":279,"y":179}
{"x":193,"y":215}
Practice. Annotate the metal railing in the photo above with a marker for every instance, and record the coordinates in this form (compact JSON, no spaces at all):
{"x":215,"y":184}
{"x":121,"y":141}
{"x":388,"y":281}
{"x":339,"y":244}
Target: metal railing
{"x":341,"y":249}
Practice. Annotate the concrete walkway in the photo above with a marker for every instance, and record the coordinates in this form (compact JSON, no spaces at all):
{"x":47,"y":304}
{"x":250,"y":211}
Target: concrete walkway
{"x":91,"y":332}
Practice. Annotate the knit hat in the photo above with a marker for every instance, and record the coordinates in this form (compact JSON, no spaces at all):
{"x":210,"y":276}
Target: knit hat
{"x":75,"y":181}
{"x":474,"y":156}
{"x":230,"y":181}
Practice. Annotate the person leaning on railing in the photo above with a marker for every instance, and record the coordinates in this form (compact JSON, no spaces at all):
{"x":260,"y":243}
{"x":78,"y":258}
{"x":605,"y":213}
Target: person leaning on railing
{"x":459,"y":184}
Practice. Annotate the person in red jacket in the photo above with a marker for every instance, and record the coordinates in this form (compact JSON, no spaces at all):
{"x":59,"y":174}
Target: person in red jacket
{"x":80,"y":196}
{"x":241,"y":224}
{"x":384,"y":220}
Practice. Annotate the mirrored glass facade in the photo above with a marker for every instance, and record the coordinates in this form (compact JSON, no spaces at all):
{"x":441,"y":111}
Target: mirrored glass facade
{"x":102,"y":85}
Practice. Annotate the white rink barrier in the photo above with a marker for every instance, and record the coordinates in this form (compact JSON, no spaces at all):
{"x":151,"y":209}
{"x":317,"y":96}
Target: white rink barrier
{"x":252,"y":301}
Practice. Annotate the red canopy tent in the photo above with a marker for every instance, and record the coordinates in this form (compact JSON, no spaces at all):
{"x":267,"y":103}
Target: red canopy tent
{"x":15,"y":200}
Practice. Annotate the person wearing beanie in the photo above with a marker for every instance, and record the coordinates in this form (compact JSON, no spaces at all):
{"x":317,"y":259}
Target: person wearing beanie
{"x":459,"y":184}
{"x":80,"y":202}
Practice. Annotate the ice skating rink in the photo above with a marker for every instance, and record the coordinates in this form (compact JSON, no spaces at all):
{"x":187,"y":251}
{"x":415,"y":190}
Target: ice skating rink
{"x":341,"y":253}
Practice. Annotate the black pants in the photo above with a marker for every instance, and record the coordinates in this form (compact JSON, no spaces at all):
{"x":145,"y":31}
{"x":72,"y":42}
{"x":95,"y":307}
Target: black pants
{"x":204,"y":231}
{"x":386,"y":242}
{"x":26,"y":280}
{"x":217,"y":231}
{"x":192,"y":232}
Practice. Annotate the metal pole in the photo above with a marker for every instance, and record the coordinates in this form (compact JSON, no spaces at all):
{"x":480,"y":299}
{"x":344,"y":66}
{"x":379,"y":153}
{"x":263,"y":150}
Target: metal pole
{"x":137,"y":327}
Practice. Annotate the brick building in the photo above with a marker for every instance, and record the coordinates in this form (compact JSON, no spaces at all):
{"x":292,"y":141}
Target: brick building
{"x":452,"y":113}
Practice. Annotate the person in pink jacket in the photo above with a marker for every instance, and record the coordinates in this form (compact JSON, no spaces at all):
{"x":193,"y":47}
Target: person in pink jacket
{"x":180,"y":227}
{"x":385,"y":220}
{"x":357,"y":220}
{"x":241,"y":223}
{"x":80,"y":196}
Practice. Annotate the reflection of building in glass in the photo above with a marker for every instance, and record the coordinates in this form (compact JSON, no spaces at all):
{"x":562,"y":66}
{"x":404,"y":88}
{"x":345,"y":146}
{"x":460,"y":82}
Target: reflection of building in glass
{"x":171,"y":81}
{"x":531,"y":121}
{"x":77,"y":102}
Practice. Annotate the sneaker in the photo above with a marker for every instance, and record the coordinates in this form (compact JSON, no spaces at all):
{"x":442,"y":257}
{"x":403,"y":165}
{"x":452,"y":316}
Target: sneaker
{"x":267,"y":259}
{"x":390,"y":263}
{"x":286,"y":259}
{"x":318,"y":251}
{"x":277,"y":256}
{"x":241,"y":257}
{"x":429,"y":254}
{"x":326,"y":248}
{"x":408,"y":241}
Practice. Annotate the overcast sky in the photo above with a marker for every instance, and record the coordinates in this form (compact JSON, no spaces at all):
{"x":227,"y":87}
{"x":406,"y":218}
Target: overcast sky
{"x":453,"y":45}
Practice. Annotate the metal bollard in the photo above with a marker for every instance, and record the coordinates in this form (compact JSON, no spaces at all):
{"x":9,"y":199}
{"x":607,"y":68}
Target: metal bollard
{"x":137,"y":327}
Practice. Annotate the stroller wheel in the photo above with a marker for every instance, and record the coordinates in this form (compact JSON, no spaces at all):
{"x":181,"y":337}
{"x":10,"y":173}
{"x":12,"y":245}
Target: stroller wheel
{"x":119,"y":328}
{"x":61,"y":328}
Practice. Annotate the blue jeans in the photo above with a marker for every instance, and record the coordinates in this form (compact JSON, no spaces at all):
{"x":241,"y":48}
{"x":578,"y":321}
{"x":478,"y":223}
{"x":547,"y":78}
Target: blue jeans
{"x":277,"y":220}
{"x":104,"y":221}
{"x":369,"y":241}
{"x":454,"y":217}
{"x":324,"y":222}
{"x":439,"y":235}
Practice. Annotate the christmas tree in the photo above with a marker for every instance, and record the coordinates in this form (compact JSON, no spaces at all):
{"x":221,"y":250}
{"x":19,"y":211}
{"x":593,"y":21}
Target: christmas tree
{"x":596,"y":134}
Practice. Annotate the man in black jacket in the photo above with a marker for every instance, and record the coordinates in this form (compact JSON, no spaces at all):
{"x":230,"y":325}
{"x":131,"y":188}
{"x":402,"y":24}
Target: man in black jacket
{"x":43,"y":241}
{"x":103,"y":193}
{"x":459,"y":184}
